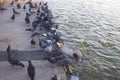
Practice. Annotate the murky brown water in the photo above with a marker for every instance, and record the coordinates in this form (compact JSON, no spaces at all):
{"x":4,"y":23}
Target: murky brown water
{"x":93,"y":26}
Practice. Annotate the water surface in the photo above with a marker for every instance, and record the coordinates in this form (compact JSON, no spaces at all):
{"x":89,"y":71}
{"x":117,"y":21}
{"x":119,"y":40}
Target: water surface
{"x":93,"y":26}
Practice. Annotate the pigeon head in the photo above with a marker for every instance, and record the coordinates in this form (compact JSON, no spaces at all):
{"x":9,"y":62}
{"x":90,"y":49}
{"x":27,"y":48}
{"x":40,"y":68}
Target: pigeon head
{"x":29,"y":62}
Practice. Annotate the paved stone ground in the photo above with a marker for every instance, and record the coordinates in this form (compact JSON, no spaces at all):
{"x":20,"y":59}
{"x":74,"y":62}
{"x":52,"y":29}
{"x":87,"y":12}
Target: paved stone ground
{"x":14,"y":33}
{"x":43,"y":71}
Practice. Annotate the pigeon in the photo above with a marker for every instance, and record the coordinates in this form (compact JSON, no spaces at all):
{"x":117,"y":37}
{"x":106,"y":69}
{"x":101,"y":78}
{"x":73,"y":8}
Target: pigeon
{"x":31,"y":70}
{"x":31,"y":5}
{"x":51,"y":60}
{"x":59,"y":57}
{"x":30,"y":29}
{"x":66,"y":61}
{"x":8,"y":48}
{"x":37,"y":32}
{"x":33,"y":43}
{"x":76,"y":56}
{"x":49,"y":48}
{"x":15,"y":12}
{"x":36,"y":5}
{"x":45,"y":3}
{"x":14,"y":61}
{"x":40,"y":3}
{"x":3,"y":9}
{"x":24,"y":7}
{"x":38,"y":11}
{"x":30,"y":11}
{"x":27,"y":20}
{"x":18,"y":5}
{"x":42,"y":44}
{"x":27,"y":14}
{"x":12,"y":3}
{"x":13,"y":17}
{"x":56,"y":26}
{"x":54,"y":77}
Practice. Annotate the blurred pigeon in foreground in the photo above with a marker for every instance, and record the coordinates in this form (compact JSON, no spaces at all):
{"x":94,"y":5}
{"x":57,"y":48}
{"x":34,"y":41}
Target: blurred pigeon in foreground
{"x":3,"y":9}
{"x":19,"y":6}
{"x":33,"y":43}
{"x":27,"y":20}
{"x":31,"y":70}
{"x":14,"y":61}
{"x":24,"y":7}
{"x":12,"y":3}
{"x":12,"y":17}
{"x":54,"y":77}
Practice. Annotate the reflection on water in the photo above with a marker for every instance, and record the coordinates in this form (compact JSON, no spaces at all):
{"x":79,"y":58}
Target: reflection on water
{"x":93,"y":26}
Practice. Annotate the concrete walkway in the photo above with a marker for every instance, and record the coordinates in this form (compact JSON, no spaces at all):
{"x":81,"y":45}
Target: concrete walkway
{"x":24,"y":55}
{"x":14,"y":33}
{"x":43,"y":71}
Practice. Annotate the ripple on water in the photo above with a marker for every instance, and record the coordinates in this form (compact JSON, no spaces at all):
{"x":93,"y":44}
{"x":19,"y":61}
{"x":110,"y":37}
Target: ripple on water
{"x":96,"y":23}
